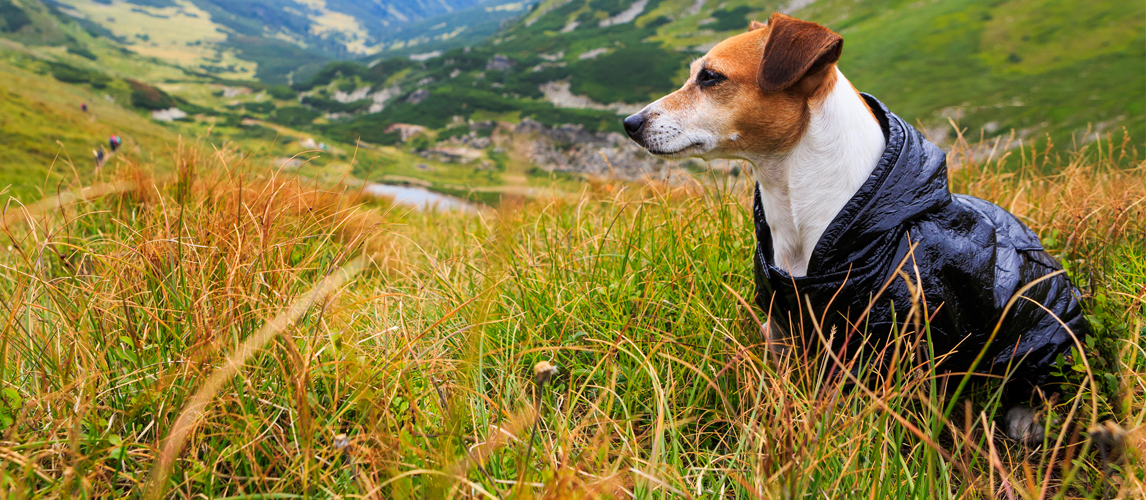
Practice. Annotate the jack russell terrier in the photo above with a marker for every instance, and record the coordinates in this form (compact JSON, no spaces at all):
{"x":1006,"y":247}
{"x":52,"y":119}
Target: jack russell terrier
{"x":854,"y":216}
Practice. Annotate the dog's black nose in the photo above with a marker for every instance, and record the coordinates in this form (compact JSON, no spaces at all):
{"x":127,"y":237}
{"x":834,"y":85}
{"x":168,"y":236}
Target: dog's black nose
{"x":634,"y":124}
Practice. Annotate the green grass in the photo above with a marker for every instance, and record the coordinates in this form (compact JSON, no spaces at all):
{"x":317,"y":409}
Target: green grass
{"x":45,"y":138}
{"x":180,"y":34}
{"x":1048,"y":69}
{"x":43,"y":89}
{"x":946,"y":55}
{"x":415,"y":379}
{"x":13,"y":17}
{"x":476,"y":25}
{"x":636,"y":74}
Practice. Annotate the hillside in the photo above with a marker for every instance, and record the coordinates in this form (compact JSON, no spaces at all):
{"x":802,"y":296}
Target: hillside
{"x":274,"y":40}
{"x":225,"y":309}
{"x":62,"y":62}
{"x":46,"y":139}
{"x":539,"y":103}
{"x":1033,"y":66}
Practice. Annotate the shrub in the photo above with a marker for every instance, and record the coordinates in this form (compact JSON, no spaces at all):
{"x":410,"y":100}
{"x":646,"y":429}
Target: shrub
{"x":455,"y":131}
{"x":282,"y":92}
{"x":727,"y":20}
{"x":420,"y":142}
{"x":260,"y":107}
{"x":633,"y":75}
{"x":611,"y":7}
{"x":294,"y":116}
{"x":332,"y":72}
{"x":82,"y":52}
{"x":369,"y":128}
{"x":12,"y":18}
{"x":385,"y":69}
{"x":147,"y":97}
{"x":72,"y":74}
{"x":333,"y":106}
{"x":258,"y":132}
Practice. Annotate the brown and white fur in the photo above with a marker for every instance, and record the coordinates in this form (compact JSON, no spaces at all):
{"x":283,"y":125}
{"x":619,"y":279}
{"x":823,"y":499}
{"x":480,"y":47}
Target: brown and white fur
{"x":774,"y":97}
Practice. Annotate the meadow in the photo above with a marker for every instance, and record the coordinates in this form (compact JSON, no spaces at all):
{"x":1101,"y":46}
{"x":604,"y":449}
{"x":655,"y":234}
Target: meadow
{"x":984,"y":63}
{"x":195,"y":326}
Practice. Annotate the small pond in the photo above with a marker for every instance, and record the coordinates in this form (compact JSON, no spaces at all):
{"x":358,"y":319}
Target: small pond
{"x":419,"y":198}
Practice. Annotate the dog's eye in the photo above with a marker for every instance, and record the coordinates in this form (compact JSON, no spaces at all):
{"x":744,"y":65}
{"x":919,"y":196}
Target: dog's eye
{"x":708,"y":78}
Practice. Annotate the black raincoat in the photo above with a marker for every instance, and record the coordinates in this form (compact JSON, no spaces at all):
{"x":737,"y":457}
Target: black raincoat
{"x":971,"y":257}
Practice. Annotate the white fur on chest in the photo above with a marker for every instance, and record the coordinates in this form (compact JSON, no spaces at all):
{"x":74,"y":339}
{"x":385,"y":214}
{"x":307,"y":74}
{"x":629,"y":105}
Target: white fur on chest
{"x":803,"y":190}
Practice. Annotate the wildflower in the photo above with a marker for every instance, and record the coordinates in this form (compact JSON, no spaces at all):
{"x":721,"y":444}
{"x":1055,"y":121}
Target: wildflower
{"x":342,"y":444}
{"x":542,"y":372}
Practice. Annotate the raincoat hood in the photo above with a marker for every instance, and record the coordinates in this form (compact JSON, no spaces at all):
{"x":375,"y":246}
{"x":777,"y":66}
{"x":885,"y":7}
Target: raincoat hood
{"x":903,"y":230}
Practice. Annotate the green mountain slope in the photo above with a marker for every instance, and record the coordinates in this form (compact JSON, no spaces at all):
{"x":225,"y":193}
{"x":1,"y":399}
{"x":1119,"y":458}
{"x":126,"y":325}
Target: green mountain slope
{"x":274,"y":40}
{"x":996,"y":66}
{"x":55,"y":63}
{"x":46,"y":139}
{"x":1034,"y":66}
{"x":466,"y":27}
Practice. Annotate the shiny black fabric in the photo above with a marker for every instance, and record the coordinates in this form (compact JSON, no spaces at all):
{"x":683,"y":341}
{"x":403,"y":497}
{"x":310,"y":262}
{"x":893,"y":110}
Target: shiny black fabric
{"x":971,"y":257}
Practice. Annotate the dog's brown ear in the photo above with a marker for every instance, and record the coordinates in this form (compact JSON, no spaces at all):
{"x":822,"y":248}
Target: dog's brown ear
{"x":756,"y":25}
{"x":796,"y":49}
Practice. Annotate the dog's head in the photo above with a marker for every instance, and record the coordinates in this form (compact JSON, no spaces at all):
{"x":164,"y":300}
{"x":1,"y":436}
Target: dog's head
{"x":752,"y":93}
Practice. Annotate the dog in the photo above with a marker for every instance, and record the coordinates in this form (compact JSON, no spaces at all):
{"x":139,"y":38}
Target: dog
{"x":853,"y":215}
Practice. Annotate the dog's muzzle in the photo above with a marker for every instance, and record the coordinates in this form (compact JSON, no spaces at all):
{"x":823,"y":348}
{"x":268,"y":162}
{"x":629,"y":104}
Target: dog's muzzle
{"x":633,"y":126}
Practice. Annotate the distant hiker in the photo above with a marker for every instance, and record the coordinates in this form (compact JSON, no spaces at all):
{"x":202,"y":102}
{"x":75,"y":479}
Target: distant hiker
{"x":100,"y":156}
{"x":84,"y":107}
{"x":115,"y":142}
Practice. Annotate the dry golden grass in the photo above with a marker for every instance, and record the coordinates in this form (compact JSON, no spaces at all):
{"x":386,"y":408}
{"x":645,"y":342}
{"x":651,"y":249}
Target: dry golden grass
{"x":416,"y":379}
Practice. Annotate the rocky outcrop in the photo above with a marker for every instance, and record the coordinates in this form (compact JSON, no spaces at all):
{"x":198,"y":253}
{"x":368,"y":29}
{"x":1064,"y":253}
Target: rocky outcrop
{"x":358,"y":94}
{"x":382,"y":97}
{"x":406,"y":130}
{"x":499,"y":63}
{"x":418,"y":96}
{"x":168,"y":115}
{"x":626,"y":16}
{"x":560,"y":95}
{"x":571,"y":148}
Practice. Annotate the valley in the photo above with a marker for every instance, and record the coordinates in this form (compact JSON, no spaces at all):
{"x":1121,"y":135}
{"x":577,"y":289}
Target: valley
{"x":403,"y":249}
{"x":549,"y":86}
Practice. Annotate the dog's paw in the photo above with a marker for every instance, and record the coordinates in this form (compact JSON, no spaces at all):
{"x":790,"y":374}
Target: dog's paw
{"x":775,"y":339}
{"x":1110,"y":438}
{"x":1023,"y":426}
